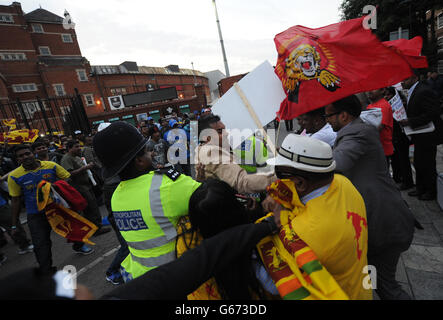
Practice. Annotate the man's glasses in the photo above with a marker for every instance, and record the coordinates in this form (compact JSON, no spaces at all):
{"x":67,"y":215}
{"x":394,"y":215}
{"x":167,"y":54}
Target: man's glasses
{"x":331,"y":114}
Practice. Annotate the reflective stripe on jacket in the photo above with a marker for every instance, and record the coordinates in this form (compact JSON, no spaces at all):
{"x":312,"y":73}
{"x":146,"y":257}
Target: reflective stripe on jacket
{"x":146,"y":211}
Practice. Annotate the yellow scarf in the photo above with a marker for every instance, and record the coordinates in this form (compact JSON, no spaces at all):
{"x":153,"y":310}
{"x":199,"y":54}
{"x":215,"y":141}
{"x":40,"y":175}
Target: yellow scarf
{"x":186,"y":240}
{"x":291,"y":263}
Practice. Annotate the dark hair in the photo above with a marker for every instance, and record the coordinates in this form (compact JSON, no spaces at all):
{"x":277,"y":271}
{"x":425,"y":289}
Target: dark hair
{"x":213,"y":208}
{"x":37,"y":144}
{"x":316,"y":113}
{"x":392,"y":92}
{"x":21,"y":147}
{"x":70,"y":144}
{"x":206,"y":213}
{"x":205,"y":122}
{"x":152,"y":130}
{"x":417,"y":72}
{"x":350,"y":104}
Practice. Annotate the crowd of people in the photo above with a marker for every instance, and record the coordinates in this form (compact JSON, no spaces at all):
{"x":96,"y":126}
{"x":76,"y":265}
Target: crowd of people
{"x":213,"y":230}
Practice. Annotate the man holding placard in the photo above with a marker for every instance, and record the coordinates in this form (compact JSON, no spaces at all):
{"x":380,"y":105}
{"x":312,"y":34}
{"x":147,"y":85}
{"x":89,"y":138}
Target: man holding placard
{"x":215,"y":160}
{"x":424,"y":125}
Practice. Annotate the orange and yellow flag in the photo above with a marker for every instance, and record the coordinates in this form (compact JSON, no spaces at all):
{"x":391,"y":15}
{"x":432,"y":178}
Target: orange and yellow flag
{"x":19,"y":136}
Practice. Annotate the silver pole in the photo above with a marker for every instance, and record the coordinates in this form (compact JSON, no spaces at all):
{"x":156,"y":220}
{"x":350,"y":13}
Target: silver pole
{"x":221,"y":40}
{"x":193,"y":72}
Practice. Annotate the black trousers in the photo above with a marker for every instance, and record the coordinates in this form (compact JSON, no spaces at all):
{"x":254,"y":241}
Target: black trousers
{"x":40,"y":230}
{"x":92,"y":213}
{"x":41,"y":238}
{"x":401,"y":165}
{"x":385,"y":261}
{"x":426,"y":167}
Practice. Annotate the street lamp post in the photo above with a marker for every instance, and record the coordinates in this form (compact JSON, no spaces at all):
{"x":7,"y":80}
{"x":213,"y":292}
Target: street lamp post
{"x":221,"y":40}
{"x":195,"y":81}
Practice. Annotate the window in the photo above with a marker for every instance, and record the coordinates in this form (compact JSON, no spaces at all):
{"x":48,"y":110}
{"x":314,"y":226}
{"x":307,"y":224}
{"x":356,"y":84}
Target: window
{"x":89,"y":98}
{"x":59,"y":89}
{"x":440,"y":44}
{"x":117,"y":91}
{"x":440,"y":67}
{"x":37,"y":28}
{"x":4,"y":17}
{"x":82,"y":75}
{"x":44,"y":51}
{"x":108,"y":70}
{"x":440,"y":21}
{"x":13,"y":56}
{"x":26,"y":87}
{"x":66,"y":37}
{"x":30,"y":108}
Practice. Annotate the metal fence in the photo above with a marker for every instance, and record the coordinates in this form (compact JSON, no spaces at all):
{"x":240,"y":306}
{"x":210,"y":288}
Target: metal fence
{"x":54,"y":114}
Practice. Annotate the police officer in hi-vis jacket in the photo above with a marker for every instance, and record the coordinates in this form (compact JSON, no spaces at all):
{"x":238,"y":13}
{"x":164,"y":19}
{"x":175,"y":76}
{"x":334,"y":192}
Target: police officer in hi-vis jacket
{"x":147,"y":204}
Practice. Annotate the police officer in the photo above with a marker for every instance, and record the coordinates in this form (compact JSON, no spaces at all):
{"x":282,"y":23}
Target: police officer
{"x":252,"y":153}
{"x":147,"y":204}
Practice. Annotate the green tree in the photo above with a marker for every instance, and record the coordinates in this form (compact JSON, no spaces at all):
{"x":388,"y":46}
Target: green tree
{"x":407,"y":14}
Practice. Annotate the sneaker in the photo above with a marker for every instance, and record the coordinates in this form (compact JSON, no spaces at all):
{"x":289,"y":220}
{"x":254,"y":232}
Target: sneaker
{"x":101,"y":231}
{"x":3,"y":258}
{"x":84,"y":250}
{"x":27,"y":249}
{"x":115,"y":278}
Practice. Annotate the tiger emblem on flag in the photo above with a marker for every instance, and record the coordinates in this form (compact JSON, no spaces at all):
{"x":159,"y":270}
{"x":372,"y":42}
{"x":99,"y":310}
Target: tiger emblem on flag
{"x":303,"y":64}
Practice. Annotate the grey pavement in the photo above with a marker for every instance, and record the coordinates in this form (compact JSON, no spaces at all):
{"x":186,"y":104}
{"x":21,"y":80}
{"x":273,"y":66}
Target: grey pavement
{"x":420,"y":269}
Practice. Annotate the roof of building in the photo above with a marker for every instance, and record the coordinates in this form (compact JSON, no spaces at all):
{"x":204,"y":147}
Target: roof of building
{"x":42,"y":15}
{"x":63,"y":61}
{"x":123,"y":68}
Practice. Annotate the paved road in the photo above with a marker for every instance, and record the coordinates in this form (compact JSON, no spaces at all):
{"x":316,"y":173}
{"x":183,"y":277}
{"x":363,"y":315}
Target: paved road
{"x":91,"y":268}
{"x":420,"y":270}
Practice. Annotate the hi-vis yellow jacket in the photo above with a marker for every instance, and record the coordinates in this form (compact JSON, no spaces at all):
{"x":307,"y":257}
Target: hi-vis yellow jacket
{"x":146,"y":210}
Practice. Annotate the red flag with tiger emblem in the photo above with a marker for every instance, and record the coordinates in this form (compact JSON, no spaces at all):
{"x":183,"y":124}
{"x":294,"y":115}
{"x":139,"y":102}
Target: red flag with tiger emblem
{"x":411,"y":50}
{"x":320,"y":66}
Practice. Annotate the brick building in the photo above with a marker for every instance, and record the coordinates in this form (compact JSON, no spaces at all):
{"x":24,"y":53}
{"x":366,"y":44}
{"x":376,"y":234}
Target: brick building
{"x":226,"y":83}
{"x":129,"y":78}
{"x":40,"y":57}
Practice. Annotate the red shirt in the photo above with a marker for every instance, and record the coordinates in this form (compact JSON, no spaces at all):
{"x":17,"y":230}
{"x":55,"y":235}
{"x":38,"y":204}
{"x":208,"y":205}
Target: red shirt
{"x":387,"y":122}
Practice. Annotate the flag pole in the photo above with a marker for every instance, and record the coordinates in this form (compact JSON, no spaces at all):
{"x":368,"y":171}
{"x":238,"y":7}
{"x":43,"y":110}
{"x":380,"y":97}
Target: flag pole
{"x":254,"y":116}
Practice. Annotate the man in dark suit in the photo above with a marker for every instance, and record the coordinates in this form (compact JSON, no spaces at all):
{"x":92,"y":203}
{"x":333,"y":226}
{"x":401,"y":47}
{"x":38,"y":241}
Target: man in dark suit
{"x":359,"y":156}
{"x":423,"y":108}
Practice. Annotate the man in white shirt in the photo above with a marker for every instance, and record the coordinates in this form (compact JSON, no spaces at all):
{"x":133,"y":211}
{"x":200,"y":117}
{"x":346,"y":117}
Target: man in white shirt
{"x":316,"y":126}
{"x":422,"y":109}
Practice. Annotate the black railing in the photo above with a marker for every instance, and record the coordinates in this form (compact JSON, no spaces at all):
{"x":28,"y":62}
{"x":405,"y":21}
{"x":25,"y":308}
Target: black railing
{"x":48,"y":115}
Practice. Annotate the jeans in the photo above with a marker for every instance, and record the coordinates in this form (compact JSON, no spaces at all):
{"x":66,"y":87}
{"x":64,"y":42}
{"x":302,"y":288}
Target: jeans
{"x":19,"y":237}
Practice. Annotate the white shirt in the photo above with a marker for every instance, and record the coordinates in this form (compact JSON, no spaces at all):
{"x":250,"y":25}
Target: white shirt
{"x":326,"y":134}
{"x":411,"y":90}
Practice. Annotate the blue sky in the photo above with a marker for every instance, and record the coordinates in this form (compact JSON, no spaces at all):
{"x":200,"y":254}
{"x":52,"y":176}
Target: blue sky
{"x":159,"y":33}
